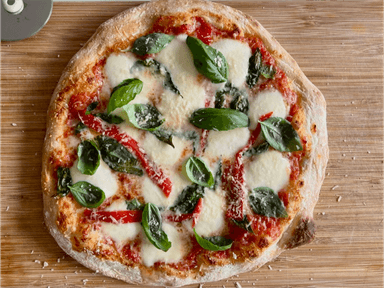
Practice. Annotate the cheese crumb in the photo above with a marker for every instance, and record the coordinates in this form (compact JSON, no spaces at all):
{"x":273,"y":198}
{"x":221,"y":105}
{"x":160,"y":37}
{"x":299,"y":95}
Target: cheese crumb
{"x":14,"y":124}
{"x":237,"y":284}
{"x":339,"y":198}
{"x":37,"y":261}
{"x":32,"y":251}
{"x":335,"y":187}
{"x":7,"y":208}
{"x":45,"y":264}
{"x":269,"y":267}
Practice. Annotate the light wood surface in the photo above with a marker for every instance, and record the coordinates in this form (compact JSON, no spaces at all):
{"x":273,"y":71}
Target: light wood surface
{"x":339,"y":46}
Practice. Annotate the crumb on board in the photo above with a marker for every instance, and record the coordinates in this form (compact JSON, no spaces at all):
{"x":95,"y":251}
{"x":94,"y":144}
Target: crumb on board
{"x":6,"y":209}
{"x":37,"y":261}
{"x":45,"y":264}
{"x":338,"y":198}
{"x":201,"y":285}
{"x":269,"y":267}
{"x":14,"y":124}
{"x":237,"y":285}
{"x":335,"y":187}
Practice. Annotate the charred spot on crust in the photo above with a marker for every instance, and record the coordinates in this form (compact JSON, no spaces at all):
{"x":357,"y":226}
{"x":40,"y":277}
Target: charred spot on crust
{"x":303,"y":234}
{"x":313,"y":128}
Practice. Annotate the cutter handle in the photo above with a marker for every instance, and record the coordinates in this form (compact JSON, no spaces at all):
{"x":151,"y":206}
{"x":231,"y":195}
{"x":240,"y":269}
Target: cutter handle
{"x":15,"y":8}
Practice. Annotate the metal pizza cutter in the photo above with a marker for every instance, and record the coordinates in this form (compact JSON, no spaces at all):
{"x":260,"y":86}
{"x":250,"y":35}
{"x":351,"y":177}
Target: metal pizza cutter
{"x":21,"y":19}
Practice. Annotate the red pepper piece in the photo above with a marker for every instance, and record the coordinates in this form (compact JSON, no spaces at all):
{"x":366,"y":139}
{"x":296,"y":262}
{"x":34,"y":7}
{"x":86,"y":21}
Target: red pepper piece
{"x":194,"y":215}
{"x":197,"y":211}
{"x":129,"y":216}
{"x":154,"y":172}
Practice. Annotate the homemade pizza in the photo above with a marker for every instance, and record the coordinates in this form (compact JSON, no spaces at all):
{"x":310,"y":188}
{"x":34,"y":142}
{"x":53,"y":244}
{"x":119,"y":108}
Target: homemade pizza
{"x":183,"y":145}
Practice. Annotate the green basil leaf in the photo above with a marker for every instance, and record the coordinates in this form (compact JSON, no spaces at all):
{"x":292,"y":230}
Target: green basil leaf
{"x":268,"y":71}
{"x":257,"y":150}
{"x":117,"y":157}
{"x":245,"y":224}
{"x":87,"y":195}
{"x":215,"y":243}
{"x":280,"y":134}
{"x":218,"y":174}
{"x":151,"y":222}
{"x":158,"y":68}
{"x":91,"y":107}
{"x":187,"y":200}
{"x":239,"y":98}
{"x":110,"y":118}
{"x":124,"y":93}
{"x":64,"y":180}
{"x":219,"y":119}
{"x":208,"y":61}
{"x":144,"y":116}
{"x":151,"y":43}
{"x":80,"y":127}
{"x":89,"y":157}
{"x":264,"y":201}
{"x":198,"y":172}
{"x":134,"y":204}
{"x":255,"y":63}
{"x":164,"y":136}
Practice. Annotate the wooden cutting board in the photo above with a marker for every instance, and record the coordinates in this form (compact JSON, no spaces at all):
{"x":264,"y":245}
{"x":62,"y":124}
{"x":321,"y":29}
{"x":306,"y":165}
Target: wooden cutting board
{"x":339,"y":46}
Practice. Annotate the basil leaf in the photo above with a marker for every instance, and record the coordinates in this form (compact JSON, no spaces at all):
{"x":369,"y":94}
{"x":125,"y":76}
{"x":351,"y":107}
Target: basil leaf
{"x":80,"y":127}
{"x":280,"y":134}
{"x":198,"y":172}
{"x":268,"y":71}
{"x":117,"y":157}
{"x":110,"y":118}
{"x":264,"y":201}
{"x":89,"y":157}
{"x":164,"y":136}
{"x":87,"y":195}
{"x":151,"y":43}
{"x":218,"y":119}
{"x":144,"y":116}
{"x":255,"y":63}
{"x":219,"y":173}
{"x":123,"y":93}
{"x":187,"y":200}
{"x":134,"y":204}
{"x":64,"y":180}
{"x":91,"y":107}
{"x":215,"y":243}
{"x":245,"y":224}
{"x":208,"y":61}
{"x":263,"y":147}
{"x":158,"y":68}
{"x":239,"y":98}
{"x":151,"y":221}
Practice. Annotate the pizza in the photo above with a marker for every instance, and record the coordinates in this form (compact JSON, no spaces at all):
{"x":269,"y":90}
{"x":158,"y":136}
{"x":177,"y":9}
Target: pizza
{"x":184,"y":145}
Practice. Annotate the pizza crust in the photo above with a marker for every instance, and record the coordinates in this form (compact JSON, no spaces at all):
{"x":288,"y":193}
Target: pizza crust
{"x":119,"y":33}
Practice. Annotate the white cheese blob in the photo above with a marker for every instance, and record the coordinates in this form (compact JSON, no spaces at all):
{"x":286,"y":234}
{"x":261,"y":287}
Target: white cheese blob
{"x":211,"y":219}
{"x":178,"y":60}
{"x":118,"y":205}
{"x":237,"y":54}
{"x":103,"y":178}
{"x":150,"y":254}
{"x":118,"y":67}
{"x":265,"y":102}
{"x":269,"y":169}
{"x":226,"y":143}
{"x":153,"y":194}
{"x":120,"y":233}
{"x":163,"y":154}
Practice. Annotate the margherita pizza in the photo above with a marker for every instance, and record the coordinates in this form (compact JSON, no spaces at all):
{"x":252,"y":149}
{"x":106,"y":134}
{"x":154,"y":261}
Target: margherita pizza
{"x":183,"y":145}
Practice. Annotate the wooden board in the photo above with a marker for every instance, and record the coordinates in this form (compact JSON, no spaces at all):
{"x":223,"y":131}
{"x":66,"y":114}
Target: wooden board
{"x":339,"y":45}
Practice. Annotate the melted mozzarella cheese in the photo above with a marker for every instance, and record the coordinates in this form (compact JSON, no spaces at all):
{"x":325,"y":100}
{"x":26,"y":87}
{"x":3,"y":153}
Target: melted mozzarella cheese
{"x":226,"y":143}
{"x":269,"y":169}
{"x":118,"y":67}
{"x":103,"y":178}
{"x":211,"y":219}
{"x":265,"y":102}
{"x":150,"y":254}
{"x":153,"y":194}
{"x":163,"y":154}
{"x":237,"y":55}
{"x":178,"y":60}
{"x":120,"y":233}
{"x":119,"y":205}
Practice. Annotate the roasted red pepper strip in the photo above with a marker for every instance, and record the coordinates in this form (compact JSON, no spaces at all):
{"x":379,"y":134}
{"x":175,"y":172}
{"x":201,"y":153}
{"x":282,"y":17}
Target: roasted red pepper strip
{"x":236,"y":190}
{"x":155,"y":173}
{"x":194,"y":215}
{"x":129,"y":216}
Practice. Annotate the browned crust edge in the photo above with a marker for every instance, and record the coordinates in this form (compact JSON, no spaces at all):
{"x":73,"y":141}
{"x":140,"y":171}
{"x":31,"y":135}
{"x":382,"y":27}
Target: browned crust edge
{"x":133,"y":22}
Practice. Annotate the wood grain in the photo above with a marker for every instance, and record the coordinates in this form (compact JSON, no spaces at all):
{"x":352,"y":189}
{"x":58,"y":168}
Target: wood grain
{"x":339,"y":46}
